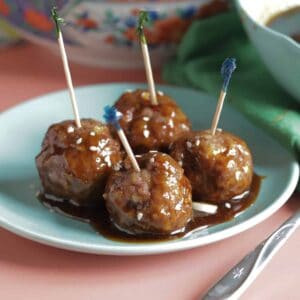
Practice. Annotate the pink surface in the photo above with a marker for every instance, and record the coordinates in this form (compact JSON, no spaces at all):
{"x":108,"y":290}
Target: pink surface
{"x":29,"y":270}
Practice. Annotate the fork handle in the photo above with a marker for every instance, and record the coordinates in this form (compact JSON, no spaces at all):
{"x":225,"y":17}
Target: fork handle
{"x":239,"y":278}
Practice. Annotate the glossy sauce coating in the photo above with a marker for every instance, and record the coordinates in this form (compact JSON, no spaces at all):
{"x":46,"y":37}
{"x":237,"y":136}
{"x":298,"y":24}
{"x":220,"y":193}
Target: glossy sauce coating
{"x":156,"y":200}
{"x":151,"y":127}
{"x":99,"y":218}
{"x":74,"y":163}
{"x":218,"y":166}
{"x":296,"y":37}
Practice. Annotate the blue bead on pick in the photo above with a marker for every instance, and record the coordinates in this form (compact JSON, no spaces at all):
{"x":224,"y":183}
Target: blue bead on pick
{"x":228,"y":67}
{"x":112,"y":116}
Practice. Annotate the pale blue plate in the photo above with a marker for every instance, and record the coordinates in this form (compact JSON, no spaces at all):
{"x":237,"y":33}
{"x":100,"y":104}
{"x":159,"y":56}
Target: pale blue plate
{"x":23,"y":128}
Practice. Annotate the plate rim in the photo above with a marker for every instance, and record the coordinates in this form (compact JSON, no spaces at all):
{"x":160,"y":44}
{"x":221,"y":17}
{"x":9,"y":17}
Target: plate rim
{"x":156,"y":247}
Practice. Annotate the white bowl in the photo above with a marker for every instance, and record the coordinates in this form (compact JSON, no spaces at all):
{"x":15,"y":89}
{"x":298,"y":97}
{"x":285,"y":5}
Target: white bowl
{"x":280,"y":53}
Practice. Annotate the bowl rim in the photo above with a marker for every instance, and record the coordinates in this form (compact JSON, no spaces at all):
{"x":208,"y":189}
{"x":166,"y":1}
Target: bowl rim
{"x":264,"y":27}
{"x":146,"y":4}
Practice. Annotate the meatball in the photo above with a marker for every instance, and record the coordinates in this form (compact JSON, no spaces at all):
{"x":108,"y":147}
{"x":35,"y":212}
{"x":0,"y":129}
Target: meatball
{"x":74,"y":163}
{"x":151,"y":127}
{"x":157,"y":200}
{"x":218,"y":166}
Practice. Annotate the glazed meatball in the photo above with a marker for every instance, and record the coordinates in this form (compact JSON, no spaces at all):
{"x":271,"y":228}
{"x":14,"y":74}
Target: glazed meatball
{"x":218,"y":166}
{"x":74,"y":163}
{"x":156,"y":200}
{"x":151,"y":127}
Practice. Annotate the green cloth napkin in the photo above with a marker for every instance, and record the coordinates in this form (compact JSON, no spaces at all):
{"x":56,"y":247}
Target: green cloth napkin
{"x":252,"y":89}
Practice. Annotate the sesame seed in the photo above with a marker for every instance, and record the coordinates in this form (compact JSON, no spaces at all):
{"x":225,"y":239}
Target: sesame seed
{"x":92,"y":133}
{"x":139,"y":216}
{"x":107,"y":160}
{"x":171,"y":123}
{"x":178,"y":206}
{"x":160,"y":93}
{"x":245,"y":169}
{"x":238,"y":175}
{"x":70,"y":129}
{"x":117,"y":167}
{"x":146,"y":95}
{"x":79,"y":141}
{"x":231,"y":164}
{"x":227,"y":205}
{"x":146,"y":133}
{"x":189,"y":144}
{"x":94,"y":148}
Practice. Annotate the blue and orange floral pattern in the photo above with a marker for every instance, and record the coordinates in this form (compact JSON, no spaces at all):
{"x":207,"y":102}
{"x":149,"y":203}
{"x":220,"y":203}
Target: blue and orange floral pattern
{"x":85,"y":22}
{"x":120,"y":30}
{"x":4,"y":8}
{"x":30,"y":15}
{"x":114,"y":28}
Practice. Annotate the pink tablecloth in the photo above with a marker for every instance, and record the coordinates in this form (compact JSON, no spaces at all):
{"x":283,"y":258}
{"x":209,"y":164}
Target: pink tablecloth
{"x":29,"y":270}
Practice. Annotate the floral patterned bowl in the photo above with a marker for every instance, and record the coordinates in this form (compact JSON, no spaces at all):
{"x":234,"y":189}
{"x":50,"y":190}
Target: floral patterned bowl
{"x":102,"y":33}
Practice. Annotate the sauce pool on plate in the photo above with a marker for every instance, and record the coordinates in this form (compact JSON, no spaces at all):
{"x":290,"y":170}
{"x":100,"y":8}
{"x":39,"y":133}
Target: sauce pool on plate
{"x":99,"y":219}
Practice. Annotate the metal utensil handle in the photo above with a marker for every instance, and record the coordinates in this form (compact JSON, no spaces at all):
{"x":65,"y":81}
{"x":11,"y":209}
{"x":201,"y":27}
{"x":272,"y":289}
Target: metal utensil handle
{"x":239,"y":278}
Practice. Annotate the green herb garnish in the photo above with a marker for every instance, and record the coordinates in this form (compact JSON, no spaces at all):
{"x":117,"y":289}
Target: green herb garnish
{"x":143,"y":18}
{"x":57,"y":19}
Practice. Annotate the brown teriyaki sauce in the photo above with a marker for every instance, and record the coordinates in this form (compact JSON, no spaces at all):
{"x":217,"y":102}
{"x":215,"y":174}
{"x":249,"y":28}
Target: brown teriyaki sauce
{"x":296,"y":37}
{"x":99,"y":219}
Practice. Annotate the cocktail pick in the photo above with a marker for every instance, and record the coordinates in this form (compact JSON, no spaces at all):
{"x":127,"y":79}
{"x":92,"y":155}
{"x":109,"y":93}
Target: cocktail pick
{"x":112,"y":116}
{"x":228,"y":67}
{"x":143,"y":18}
{"x":59,"y":21}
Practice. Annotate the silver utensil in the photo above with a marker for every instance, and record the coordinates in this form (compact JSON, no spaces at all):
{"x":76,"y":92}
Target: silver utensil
{"x":239,"y":278}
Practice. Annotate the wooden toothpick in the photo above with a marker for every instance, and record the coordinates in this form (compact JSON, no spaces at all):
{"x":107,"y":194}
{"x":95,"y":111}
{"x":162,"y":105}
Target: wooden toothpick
{"x":143,"y":18}
{"x":112,"y":116}
{"x":228,"y":66}
{"x":58,"y":21}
